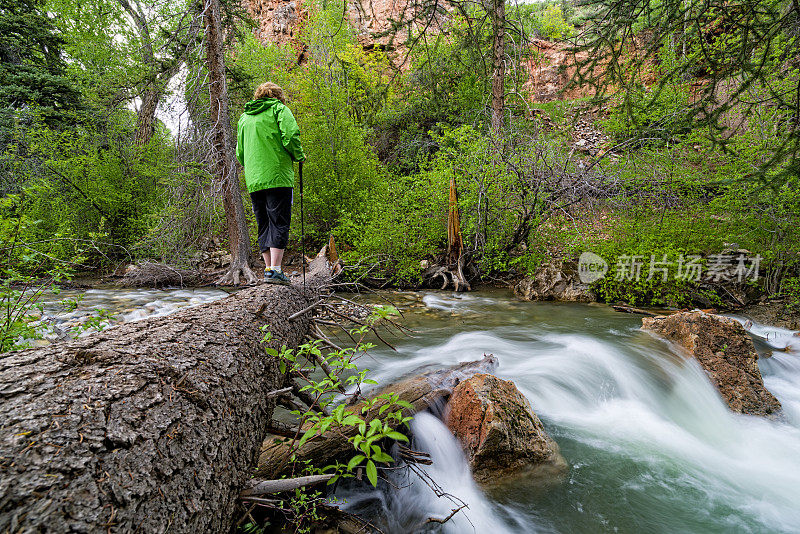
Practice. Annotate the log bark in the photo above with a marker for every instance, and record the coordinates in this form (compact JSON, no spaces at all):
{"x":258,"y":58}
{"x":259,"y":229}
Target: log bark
{"x":422,"y":389}
{"x":150,"y":426}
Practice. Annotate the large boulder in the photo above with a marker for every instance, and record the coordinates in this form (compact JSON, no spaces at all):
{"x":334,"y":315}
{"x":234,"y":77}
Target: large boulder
{"x":553,"y":281}
{"x":724,"y":349}
{"x":499,"y":431}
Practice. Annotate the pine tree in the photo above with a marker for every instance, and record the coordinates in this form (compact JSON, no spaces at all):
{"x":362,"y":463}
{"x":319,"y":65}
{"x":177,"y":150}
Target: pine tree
{"x":32,"y":68}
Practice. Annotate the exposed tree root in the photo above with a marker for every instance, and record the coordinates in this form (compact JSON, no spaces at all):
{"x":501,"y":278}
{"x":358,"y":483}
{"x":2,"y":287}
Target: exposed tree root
{"x":238,"y":274}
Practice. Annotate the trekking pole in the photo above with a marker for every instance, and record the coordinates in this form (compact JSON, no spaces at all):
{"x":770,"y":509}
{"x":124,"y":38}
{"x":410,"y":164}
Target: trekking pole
{"x":302,"y":231}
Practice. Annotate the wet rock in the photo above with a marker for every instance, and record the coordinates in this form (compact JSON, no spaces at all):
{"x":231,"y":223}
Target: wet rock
{"x":773,"y":312}
{"x":500,"y":433}
{"x":725,"y":351}
{"x":555,"y":282}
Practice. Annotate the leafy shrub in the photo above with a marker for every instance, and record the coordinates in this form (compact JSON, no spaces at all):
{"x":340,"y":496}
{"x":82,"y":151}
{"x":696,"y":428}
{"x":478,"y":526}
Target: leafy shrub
{"x":649,"y":117}
{"x":790,"y":291}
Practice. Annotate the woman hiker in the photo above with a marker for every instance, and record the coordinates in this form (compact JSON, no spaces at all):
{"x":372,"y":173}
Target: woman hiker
{"x":267,"y":142}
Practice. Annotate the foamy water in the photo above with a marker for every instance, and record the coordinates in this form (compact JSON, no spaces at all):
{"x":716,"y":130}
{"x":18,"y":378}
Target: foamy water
{"x":122,"y":305}
{"x":652,"y":446}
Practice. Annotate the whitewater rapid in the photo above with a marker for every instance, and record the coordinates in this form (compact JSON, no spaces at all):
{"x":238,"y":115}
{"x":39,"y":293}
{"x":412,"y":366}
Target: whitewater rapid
{"x":652,"y":446}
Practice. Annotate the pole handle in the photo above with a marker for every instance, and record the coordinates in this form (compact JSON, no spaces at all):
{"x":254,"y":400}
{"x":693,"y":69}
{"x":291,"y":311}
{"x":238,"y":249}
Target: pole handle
{"x":302,"y":229}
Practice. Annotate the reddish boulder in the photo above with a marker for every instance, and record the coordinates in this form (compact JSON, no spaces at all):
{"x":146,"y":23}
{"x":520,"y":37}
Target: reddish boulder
{"x":499,"y":431}
{"x":724,"y":349}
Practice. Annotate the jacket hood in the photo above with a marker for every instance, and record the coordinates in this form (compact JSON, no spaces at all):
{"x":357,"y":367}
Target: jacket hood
{"x":254,"y":107}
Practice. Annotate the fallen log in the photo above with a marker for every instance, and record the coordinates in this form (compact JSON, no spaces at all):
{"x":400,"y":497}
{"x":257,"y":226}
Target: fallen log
{"x":637,"y":311}
{"x":263,"y":487}
{"x":150,"y":426}
{"x":422,"y":389}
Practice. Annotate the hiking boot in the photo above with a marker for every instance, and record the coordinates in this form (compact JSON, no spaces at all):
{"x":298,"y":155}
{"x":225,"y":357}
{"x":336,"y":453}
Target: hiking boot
{"x":276,"y":277}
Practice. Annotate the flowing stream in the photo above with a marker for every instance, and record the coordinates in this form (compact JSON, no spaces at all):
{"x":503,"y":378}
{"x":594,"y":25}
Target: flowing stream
{"x":650,"y":444}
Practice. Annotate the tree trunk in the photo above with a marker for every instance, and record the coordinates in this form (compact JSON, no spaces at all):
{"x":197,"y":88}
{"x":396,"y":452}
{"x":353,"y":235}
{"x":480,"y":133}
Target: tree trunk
{"x":498,"y":15}
{"x":422,"y":390}
{"x":222,"y":153}
{"x":151,"y":426}
{"x":146,"y":116}
{"x":158,"y":76}
{"x":455,"y":243}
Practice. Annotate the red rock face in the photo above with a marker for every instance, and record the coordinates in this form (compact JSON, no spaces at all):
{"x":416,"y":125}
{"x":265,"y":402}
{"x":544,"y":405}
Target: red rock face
{"x":500,"y":433}
{"x":279,"y":20}
{"x":725,"y":351}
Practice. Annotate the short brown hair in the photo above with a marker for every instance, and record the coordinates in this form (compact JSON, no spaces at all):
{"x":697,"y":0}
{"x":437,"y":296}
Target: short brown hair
{"x":269,"y":90}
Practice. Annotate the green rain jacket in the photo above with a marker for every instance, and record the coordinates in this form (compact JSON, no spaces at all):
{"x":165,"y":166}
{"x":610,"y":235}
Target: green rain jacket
{"x":267,"y":142}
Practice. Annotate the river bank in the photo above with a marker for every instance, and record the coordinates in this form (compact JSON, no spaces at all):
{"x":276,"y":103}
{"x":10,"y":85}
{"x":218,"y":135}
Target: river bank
{"x":649,"y":444}
{"x":551,"y":284}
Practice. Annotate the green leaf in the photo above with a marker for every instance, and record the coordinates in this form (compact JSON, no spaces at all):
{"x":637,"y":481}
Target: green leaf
{"x":383,"y":457}
{"x":351,"y":420}
{"x":309,"y":433}
{"x":354,"y":461}
{"x":372,"y":473}
{"x":396,"y":436}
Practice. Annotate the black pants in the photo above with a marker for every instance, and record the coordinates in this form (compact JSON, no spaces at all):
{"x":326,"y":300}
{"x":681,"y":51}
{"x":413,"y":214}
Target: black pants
{"x":273,"y":209}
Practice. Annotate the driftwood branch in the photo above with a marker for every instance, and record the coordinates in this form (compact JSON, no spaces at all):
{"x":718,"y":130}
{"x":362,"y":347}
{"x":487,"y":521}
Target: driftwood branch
{"x":309,"y":400}
{"x":279,"y":392}
{"x":448,"y":518}
{"x":422,"y":391}
{"x":290,"y":404}
{"x":282,"y":429}
{"x":265,"y":487}
{"x":305,"y":310}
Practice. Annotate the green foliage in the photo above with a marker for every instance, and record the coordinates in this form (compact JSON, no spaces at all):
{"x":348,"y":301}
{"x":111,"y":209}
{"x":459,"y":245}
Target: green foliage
{"x":542,"y":20}
{"x":28,"y":271}
{"x":791,"y":294}
{"x":31,"y":65}
{"x":33,"y":268}
{"x":88,"y":183}
{"x":745,"y":53}
{"x":655,"y":115}
{"x":649,"y":117}
{"x":340,"y":371}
